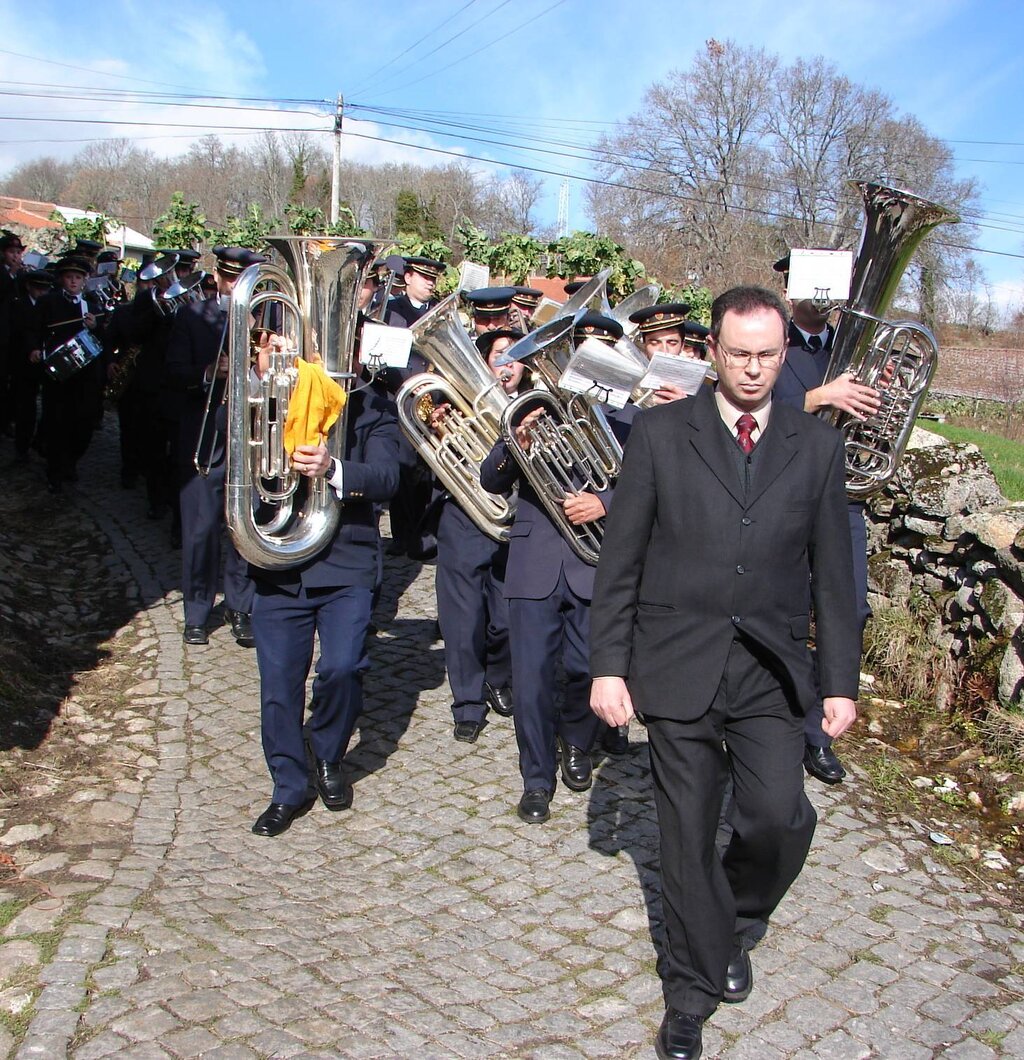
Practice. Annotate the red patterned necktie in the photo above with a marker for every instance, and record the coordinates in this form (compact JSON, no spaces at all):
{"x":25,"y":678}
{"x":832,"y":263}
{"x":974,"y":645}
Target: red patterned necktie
{"x":744,"y":426}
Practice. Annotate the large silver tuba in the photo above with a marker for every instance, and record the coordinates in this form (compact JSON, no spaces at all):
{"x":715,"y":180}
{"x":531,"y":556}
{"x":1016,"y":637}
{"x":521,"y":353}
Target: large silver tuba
{"x":276,"y":518}
{"x":455,"y":446}
{"x":899,"y":358}
{"x":572,"y":447}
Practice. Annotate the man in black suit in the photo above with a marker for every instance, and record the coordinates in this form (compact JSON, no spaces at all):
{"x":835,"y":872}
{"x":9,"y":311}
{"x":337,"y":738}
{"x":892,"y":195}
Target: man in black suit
{"x":196,"y":362}
{"x":330,"y":595}
{"x":727,"y":506}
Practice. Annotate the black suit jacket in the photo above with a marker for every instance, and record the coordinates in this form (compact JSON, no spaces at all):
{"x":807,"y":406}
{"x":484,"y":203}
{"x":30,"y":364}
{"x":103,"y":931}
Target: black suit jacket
{"x":689,"y":561}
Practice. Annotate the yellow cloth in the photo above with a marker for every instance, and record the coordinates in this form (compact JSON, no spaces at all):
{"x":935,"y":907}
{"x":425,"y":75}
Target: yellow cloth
{"x":314,"y":406}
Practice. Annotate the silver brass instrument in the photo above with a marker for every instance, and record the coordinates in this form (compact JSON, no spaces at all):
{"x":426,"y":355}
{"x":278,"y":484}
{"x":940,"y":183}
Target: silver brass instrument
{"x":640,"y":299}
{"x":180,"y":293}
{"x":593,"y":295}
{"x":276,"y":519}
{"x":572,"y":447}
{"x":898,"y":358}
{"x":456,"y":449}
{"x":158,"y":267}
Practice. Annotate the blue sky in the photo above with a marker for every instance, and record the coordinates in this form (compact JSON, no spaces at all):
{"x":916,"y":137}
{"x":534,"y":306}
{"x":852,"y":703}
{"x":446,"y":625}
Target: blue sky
{"x":570,"y":68}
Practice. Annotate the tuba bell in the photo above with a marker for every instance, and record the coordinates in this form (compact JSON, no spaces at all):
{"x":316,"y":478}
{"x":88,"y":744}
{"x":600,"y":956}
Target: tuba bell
{"x":898,"y":358}
{"x":462,"y":380}
{"x":276,"y":518}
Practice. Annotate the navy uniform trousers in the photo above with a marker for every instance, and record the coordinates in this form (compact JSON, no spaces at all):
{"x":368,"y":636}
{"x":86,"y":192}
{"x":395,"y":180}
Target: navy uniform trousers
{"x":472,"y":611}
{"x":548,"y":588}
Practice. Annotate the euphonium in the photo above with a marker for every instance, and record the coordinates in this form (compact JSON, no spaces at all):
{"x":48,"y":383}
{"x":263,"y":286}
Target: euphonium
{"x":462,"y":380}
{"x":899,"y":358}
{"x":572,"y":448}
{"x":275,"y":518}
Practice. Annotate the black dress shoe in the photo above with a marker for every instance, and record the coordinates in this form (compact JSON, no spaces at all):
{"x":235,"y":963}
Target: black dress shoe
{"x":679,"y":1036}
{"x":467,"y":731}
{"x":499,"y":699}
{"x":822,"y":763}
{"x":241,"y":628}
{"x":533,"y":806}
{"x":334,"y":791}
{"x":739,"y":977}
{"x":396,"y":548}
{"x":275,"y":819}
{"x":195,"y":635}
{"x":616,"y":740}
{"x":577,"y":768}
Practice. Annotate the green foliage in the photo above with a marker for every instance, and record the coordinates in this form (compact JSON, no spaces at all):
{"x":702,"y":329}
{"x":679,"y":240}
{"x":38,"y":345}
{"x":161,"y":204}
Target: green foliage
{"x":346,"y":223}
{"x":412,"y":245}
{"x":476,"y":245}
{"x":515,"y":257}
{"x":430,"y":229}
{"x":181,"y":225}
{"x":1004,"y":457}
{"x":699,"y":300}
{"x":585,"y":254}
{"x":251,"y":230}
{"x":408,"y":214}
{"x":304,"y":220}
{"x":898,"y":648}
{"x":84,"y":227}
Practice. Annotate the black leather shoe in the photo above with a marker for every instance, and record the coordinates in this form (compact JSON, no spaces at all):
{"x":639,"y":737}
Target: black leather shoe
{"x":739,"y":977}
{"x":195,"y":635}
{"x":334,"y":791}
{"x":679,"y":1036}
{"x":396,"y":548}
{"x":467,"y":731}
{"x":533,"y":806}
{"x":499,"y":699}
{"x":822,"y":763}
{"x":616,"y":740}
{"x":241,"y":628}
{"x":275,"y":819}
{"x":577,"y":768}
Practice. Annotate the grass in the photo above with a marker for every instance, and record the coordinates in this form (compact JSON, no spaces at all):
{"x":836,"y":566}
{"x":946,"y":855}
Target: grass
{"x":1004,"y":457}
{"x":890,"y":783}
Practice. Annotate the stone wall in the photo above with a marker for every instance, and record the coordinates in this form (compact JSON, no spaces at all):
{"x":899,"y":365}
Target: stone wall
{"x":943,"y":529}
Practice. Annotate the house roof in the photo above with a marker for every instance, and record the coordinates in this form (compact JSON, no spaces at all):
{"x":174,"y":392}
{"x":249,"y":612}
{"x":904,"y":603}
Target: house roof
{"x":35,"y":216}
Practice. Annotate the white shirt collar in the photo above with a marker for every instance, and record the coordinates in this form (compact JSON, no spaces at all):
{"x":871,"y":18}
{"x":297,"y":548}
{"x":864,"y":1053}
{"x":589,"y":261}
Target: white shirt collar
{"x":730,"y":413}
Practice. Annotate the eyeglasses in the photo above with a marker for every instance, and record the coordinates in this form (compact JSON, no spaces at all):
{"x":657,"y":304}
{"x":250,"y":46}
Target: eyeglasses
{"x":768,"y":358}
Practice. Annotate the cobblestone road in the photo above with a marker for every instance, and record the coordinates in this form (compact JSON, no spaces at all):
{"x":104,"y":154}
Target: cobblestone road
{"x":428,"y":921}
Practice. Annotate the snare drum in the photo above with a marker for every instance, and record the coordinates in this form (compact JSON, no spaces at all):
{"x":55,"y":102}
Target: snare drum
{"x":72,"y":356}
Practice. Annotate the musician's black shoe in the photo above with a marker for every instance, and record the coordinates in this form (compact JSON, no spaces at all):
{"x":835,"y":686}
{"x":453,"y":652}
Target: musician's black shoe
{"x":241,"y":628}
{"x":679,"y":1037}
{"x":577,"y":768}
{"x":822,"y":763}
{"x":396,"y":548}
{"x":424,"y":550}
{"x":739,"y":977}
{"x":467,"y":731}
{"x":499,"y":699}
{"x":616,"y":740}
{"x":276,"y":818}
{"x":195,"y":635}
{"x":334,"y":791}
{"x":533,"y":806}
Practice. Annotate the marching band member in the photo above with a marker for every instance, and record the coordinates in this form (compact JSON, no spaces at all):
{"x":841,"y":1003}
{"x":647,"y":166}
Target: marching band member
{"x":491,"y":306}
{"x":22,"y":328}
{"x":549,"y":588}
{"x":330,"y":595}
{"x":197,"y":361}
{"x":471,"y":606}
{"x":526,"y":299}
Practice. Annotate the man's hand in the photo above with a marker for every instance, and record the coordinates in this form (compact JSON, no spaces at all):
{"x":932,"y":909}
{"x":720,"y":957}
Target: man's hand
{"x":89,"y":320}
{"x":664,"y":394}
{"x":840,"y":714}
{"x":610,"y":700}
{"x":523,"y":436}
{"x":583,"y":508}
{"x":845,"y":393}
{"x":35,"y":356}
{"x":311,"y":460}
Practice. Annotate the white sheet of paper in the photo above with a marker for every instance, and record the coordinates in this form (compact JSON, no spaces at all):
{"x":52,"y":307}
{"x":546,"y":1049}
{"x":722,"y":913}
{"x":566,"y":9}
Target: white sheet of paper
{"x":547,"y":309}
{"x":666,"y":370}
{"x":602,"y":372}
{"x":822,"y":274}
{"x":384,"y":346}
{"x":473,"y":276}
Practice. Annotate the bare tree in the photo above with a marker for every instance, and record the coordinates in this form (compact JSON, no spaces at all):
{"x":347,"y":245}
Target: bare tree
{"x":42,"y":179}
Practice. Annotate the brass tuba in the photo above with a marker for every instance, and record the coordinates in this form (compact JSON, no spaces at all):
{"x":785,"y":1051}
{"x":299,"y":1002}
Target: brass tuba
{"x":275,"y":518}
{"x":469,"y":429}
{"x":572,"y":447}
{"x":898,"y":358}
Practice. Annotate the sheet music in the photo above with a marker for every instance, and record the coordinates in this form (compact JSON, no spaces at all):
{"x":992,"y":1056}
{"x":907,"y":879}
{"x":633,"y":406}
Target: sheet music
{"x":666,"y":370}
{"x":822,"y":274}
{"x":547,"y":309}
{"x":473,"y":276}
{"x":381,"y":346}
{"x":600,"y":371}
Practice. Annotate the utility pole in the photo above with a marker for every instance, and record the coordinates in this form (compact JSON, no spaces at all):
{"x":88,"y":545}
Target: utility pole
{"x":336,"y":166}
{"x":563,"y":209}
